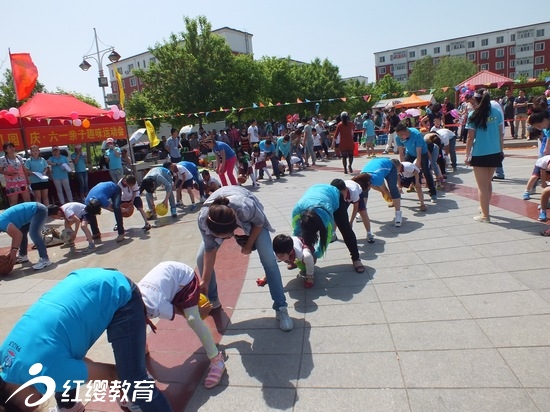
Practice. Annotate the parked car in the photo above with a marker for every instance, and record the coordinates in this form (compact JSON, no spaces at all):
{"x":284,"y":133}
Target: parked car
{"x":46,"y":152}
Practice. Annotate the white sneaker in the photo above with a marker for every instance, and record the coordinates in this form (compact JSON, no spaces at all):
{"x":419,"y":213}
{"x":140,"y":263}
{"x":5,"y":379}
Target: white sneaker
{"x":285,"y":322}
{"x":358,"y":219}
{"x":216,"y":304}
{"x":78,"y":407}
{"x":42,"y":263}
{"x":21,"y":259}
{"x":398,"y":218}
{"x":128,"y":406}
{"x":203,"y":199}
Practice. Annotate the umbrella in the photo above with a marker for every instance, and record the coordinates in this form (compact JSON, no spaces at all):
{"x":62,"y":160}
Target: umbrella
{"x":139,"y":136}
{"x":402,"y":115}
{"x":455,"y":113}
{"x":186,"y":129}
{"x":413,"y":112}
{"x":392,"y":103}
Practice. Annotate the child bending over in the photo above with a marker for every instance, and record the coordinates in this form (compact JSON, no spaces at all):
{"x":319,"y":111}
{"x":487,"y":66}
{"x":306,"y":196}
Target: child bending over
{"x":409,"y":175}
{"x":295,"y":253}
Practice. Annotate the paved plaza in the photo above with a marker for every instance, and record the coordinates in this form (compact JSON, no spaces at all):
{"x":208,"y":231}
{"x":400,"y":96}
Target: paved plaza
{"x":450,"y":315}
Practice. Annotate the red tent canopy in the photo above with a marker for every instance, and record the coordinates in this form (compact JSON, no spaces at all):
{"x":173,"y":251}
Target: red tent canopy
{"x":485,"y":78}
{"x":46,"y":121}
{"x":58,"y":106}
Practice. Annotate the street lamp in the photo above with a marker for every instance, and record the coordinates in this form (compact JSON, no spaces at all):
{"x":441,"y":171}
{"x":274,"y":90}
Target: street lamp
{"x":98,"y":57}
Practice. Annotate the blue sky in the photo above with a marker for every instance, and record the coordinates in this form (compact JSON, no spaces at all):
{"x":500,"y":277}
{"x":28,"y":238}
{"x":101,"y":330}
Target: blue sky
{"x":57,"y":33}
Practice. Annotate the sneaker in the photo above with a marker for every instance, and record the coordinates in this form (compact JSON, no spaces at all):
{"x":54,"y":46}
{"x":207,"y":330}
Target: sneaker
{"x":179,"y":204}
{"x":21,"y":259}
{"x":42,"y":263}
{"x":285,"y":322}
{"x":482,"y":219}
{"x":542,"y":216}
{"x":152,"y":217}
{"x":115,"y":228}
{"x":147,"y":227}
{"x":334,"y":238}
{"x":193,"y":207}
{"x":495,"y":177}
{"x":67,"y":245}
{"x":203,"y":199}
{"x":370,"y":238}
{"x":215,"y":372}
{"x":120,"y":238}
{"x":385,"y":152}
{"x":398,"y":218}
{"x":216,"y":304}
{"x":526,"y":195}
{"x":350,"y":169}
{"x":358,"y":219}
{"x":89,"y":249}
{"x":78,"y":407}
{"x":433,"y":198}
{"x":128,"y":405}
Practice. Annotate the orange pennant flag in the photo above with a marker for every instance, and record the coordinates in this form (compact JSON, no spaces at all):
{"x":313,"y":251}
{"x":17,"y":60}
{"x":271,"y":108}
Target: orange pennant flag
{"x":343,"y":99}
{"x":261,"y":104}
{"x":24,"y":73}
{"x":298,"y":101}
{"x":444,"y":89}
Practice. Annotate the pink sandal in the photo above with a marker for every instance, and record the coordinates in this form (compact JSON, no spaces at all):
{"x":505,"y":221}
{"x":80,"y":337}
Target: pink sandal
{"x":215,"y":373}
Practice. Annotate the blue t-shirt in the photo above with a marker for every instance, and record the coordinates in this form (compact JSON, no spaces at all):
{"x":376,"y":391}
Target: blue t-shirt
{"x":103,"y":192}
{"x":59,"y":329}
{"x":414,"y":141}
{"x":487,"y":142}
{"x":58,"y":172}
{"x":378,"y":168}
{"x":115,"y":162}
{"x":19,"y":215}
{"x":192,"y":167}
{"x":80,"y":166}
{"x":368,"y":125}
{"x":36,"y":165}
{"x":268,"y":149}
{"x":220,"y":147}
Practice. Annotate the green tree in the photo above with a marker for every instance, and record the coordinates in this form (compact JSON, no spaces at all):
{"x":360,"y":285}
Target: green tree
{"x":449,"y":72}
{"x":138,"y":107}
{"x":7,"y":91}
{"x":190,"y":72}
{"x":422,"y":75}
{"x":388,"y":87}
{"x":355,"y":91}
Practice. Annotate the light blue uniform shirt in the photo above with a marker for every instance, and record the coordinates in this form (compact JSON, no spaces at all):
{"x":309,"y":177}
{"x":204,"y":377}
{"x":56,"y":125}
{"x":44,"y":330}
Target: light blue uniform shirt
{"x":19,"y":215}
{"x":59,"y":329}
{"x":487,"y":142}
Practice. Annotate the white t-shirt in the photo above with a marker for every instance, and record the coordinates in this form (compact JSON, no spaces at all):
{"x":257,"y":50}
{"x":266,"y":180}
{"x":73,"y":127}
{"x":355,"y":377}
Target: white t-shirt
{"x":161,"y":284}
{"x":253,"y":134}
{"x":127,"y":192}
{"x":409,"y":169}
{"x":212,"y":180}
{"x":317,"y":140}
{"x":542,"y":162}
{"x":183,"y":173}
{"x":355,"y":191}
{"x":295,"y":160}
{"x":445,"y":135}
{"x":303,"y":254}
{"x":73,"y":208}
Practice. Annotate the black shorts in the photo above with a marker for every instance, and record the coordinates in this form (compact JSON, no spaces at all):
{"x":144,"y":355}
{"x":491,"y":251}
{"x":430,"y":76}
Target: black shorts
{"x":40,"y":185}
{"x":492,"y":160}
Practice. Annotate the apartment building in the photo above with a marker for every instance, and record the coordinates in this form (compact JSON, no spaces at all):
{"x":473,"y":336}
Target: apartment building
{"x":239,"y":41}
{"x":513,"y":52}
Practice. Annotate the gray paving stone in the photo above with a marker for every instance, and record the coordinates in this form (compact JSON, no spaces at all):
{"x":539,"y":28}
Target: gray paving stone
{"x":528,"y":261}
{"x":456,"y":334}
{"x":507,"y":247}
{"x":466,"y":267}
{"x":20,"y":285}
{"x":489,"y":283}
{"x":261,"y":319}
{"x":460,"y":400}
{"x":359,"y":371}
{"x":458,"y":254}
{"x":488,"y":238}
{"x":541,"y":397}
{"x":505,"y":304}
{"x":529,"y":364}
{"x":358,"y":338}
{"x":253,"y":341}
{"x":545,"y":294}
{"x":482,"y":368}
{"x":351,"y":314}
{"x":530,"y":330}
{"x":424,"y":310}
{"x":280,"y":371}
{"x":446,"y":242}
{"x":373,"y":400}
{"x":534,"y":279}
{"x":242,"y":398}
{"x":418,"y":289}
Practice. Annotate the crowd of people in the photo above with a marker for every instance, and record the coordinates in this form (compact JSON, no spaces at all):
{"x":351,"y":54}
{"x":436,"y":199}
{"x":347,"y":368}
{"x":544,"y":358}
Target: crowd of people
{"x":227,"y":209}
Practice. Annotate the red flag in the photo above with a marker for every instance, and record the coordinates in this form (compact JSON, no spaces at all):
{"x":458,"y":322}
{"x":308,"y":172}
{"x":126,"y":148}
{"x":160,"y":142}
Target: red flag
{"x":24,"y":73}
